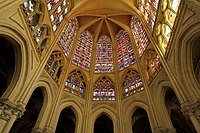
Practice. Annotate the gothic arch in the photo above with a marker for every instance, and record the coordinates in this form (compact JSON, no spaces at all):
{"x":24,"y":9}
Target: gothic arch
{"x":33,"y":110}
{"x":180,"y":122}
{"x":75,"y":107}
{"x":98,"y":111}
{"x":47,"y":91}
{"x":21,"y":54}
{"x":160,"y":107}
{"x":184,"y":57}
{"x":132,"y":107}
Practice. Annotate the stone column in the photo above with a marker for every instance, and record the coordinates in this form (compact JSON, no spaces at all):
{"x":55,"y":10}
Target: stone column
{"x":193,"y":112}
{"x":9,"y":112}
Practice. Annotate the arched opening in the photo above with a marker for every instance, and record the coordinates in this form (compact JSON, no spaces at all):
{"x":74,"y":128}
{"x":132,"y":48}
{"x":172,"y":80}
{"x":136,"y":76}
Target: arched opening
{"x":28,"y":120}
{"x":66,"y":122}
{"x":196,"y":58}
{"x":7,"y":63}
{"x":179,"y":121}
{"x":140,"y":122}
{"x":103,"y":124}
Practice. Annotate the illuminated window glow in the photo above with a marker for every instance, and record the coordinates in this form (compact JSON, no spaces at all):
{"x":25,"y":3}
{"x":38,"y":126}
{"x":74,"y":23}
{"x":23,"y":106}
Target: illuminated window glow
{"x":139,"y":34}
{"x":104,"y":89}
{"x":132,"y":83}
{"x":104,"y":55}
{"x":82,"y":55}
{"x":76,"y":83}
{"x":124,"y":49}
{"x":68,"y":35}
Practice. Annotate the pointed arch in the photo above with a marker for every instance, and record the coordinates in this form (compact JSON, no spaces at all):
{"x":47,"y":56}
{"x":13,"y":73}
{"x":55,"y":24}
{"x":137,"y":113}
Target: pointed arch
{"x":104,"y":89}
{"x":103,"y":110}
{"x":131,"y":82}
{"x":76,"y":83}
{"x":55,"y":65}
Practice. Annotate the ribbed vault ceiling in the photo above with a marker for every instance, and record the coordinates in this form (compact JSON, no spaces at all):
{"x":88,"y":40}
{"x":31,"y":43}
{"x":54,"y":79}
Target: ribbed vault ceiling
{"x":103,"y":17}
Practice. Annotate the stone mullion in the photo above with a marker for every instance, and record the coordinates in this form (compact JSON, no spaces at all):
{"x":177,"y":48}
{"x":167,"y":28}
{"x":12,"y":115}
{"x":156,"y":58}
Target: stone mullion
{"x":144,"y":79}
{"x":91,"y":81}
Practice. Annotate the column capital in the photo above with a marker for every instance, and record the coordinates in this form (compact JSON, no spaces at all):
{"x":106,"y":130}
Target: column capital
{"x":7,"y":109}
{"x":189,"y":109}
{"x":165,"y":130}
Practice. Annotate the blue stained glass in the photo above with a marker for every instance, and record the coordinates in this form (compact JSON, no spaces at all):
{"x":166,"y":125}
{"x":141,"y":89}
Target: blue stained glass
{"x":124,"y":49}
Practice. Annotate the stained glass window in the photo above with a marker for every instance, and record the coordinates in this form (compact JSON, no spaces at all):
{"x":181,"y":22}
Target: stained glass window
{"x":132,"y":83}
{"x":34,"y":17}
{"x":140,"y":36}
{"x":152,"y":64}
{"x":68,"y":35}
{"x":83,"y":51}
{"x":149,"y":9}
{"x":76,"y":83}
{"x":163,"y":29}
{"x":58,"y":9}
{"x":124,"y":49}
{"x":104,"y":56}
{"x":104,"y":89}
{"x":55,"y":65}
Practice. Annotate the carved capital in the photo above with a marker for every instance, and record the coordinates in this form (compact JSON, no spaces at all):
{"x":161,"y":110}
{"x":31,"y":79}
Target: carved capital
{"x":7,"y":109}
{"x":192,"y":109}
{"x":165,"y":130}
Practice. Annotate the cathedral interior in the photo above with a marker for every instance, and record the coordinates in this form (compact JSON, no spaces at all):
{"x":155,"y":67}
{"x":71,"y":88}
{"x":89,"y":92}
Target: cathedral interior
{"x":100,"y":66}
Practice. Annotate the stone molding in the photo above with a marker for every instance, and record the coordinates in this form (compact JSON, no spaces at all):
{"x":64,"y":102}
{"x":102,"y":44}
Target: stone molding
{"x":192,"y":109}
{"x":7,"y":109}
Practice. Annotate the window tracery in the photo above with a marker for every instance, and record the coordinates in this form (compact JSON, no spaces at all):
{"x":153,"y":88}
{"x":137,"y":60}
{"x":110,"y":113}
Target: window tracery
{"x":140,"y":36}
{"x":125,"y":52}
{"x":104,"y":89}
{"x":104,"y":55}
{"x":58,"y":9}
{"x":55,"y":65}
{"x":152,"y":64}
{"x":164,"y":28}
{"x":82,"y":55}
{"x":68,"y":35}
{"x":76,"y":83}
{"x":131,"y":83}
{"x":149,"y":10}
{"x":34,"y":15}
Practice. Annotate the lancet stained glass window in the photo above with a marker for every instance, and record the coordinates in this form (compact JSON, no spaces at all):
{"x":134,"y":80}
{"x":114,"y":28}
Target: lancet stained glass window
{"x":58,"y":9}
{"x":140,"y":36}
{"x":152,"y":64}
{"x":104,"y":89}
{"x":82,"y":55}
{"x":68,"y":35}
{"x":76,"y":83}
{"x":126,"y":56}
{"x":104,"y":55}
{"x":132,"y":83}
{"x":149,"y":9}
{"x":55,"y":65}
